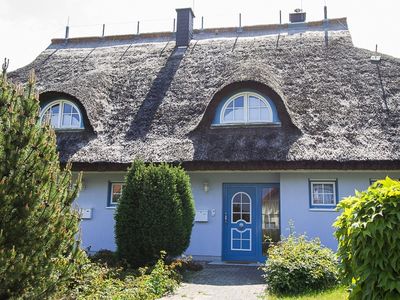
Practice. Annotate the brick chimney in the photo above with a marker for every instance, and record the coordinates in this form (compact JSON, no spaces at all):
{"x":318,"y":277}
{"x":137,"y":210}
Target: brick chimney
{"x":184,"y":26}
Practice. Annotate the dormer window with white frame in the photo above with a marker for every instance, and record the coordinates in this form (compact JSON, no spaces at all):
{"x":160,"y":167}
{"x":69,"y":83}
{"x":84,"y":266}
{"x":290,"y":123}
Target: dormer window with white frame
{"x":246,"y":108}
{"x":62,"y":114}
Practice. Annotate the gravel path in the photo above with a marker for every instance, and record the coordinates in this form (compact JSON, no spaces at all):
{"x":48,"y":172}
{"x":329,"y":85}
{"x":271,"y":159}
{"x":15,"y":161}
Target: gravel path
{"x":222,"y":282}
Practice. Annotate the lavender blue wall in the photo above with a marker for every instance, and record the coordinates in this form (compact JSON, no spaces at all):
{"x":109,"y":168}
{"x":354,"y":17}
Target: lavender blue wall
{"x":98,"y":232}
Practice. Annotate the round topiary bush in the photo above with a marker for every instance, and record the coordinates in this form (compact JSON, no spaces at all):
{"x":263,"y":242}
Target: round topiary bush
{"x":155,"y":212}
{"x":297,"y":265}
{"x":368,"y":231}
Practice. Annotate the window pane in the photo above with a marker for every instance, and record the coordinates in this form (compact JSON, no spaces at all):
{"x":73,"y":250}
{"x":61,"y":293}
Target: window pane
{"x":317,"y":198}
{"x":236,"y":217}
{"x":264,"y":114}
{"x":246,"y":208}
{"x":74,"y":111}
{"x":239,"y":102}
{"x":67,"y":108}
{"x":246,"y":217}
{"x":329,"y":199}
{"x":55,"y":109}
{"x":54,"y":120}
{"x":239,"y":114}
{"x":318,"y":188}
{"x":237,"y":198}
{"x":230,"y":105}
{"x":116,"y":188}
{"x":75,"y":120}
{"x":115,"y":198}
{"x":66,"y":120}
{"x":254,"y":114}
{"x":328,"y":188}
{"x":236,"y":208}
{"x":228,"y":115}
{"x":245,"y":198}
{"x":255,"y":102}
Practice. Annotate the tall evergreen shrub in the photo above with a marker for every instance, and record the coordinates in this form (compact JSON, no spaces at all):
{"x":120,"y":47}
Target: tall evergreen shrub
{"x":38,"y":247}
{"x":155,"y":212}
{"x":368,"y":231}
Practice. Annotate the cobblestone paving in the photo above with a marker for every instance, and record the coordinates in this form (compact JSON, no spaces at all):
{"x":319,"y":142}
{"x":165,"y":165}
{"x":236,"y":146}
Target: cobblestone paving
{"x":222,"y":282}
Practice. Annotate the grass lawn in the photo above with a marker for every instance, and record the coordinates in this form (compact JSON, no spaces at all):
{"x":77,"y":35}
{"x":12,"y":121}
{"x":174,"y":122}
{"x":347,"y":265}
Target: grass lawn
{"x":338,"y":293}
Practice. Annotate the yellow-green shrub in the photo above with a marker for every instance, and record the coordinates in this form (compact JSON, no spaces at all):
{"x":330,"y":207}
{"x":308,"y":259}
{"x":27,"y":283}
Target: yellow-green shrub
{"x":297,"y":265}
{"x":368,"y":231}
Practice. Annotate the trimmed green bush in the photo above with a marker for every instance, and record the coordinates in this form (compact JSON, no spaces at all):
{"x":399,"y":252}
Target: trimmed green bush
{"x":39,"y":250}
{"x":368,"y":231}
{"x":296,"y":265}
{"x":155,"y":213}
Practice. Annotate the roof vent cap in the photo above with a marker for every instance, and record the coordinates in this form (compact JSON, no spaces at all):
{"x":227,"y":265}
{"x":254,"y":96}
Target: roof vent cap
{"x":298,"y":16}
{"x":375,"y":59}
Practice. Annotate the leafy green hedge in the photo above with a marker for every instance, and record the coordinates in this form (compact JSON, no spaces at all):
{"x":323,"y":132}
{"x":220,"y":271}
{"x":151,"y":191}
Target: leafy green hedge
{"x":368,"y":231}
{"x":296,"y":265}
{"x":155,"y":213}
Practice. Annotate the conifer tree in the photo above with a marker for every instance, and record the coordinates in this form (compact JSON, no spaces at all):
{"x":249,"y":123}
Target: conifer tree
{"x":38,"y":227}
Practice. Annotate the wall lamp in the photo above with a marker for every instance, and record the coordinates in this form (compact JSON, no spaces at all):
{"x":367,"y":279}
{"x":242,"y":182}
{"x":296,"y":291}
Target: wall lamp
{"x":205,"y":186}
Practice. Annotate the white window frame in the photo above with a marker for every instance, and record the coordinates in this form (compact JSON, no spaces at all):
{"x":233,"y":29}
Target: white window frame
{"x":241,"y":211}
{"x":246,"y":96}
{"x":61,"y":114}
{"x":325,"y":182}
{"x":111,"y":202}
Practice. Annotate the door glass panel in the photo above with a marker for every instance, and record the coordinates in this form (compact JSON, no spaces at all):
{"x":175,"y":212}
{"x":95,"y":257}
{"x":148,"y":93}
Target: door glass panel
{"x":246,"y":208}
{"x":241,"y":207}
{"x":246,"y":217}
{"x":270,"y":217}
{"x":236,"y":217}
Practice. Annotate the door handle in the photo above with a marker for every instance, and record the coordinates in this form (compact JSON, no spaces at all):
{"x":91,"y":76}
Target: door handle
{"x":226,"y":217}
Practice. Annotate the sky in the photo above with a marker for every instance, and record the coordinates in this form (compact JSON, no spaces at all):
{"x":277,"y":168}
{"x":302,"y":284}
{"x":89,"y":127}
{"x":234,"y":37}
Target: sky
{"x":27,"y":26}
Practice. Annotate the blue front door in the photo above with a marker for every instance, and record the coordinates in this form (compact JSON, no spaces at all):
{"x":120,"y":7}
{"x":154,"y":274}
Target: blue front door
{"x":243,"y":220}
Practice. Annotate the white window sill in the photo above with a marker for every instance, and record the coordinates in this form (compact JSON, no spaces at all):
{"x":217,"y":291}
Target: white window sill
{"x":111,"y":207}
{"x":249,"y":124}
{"x":323,"y":209}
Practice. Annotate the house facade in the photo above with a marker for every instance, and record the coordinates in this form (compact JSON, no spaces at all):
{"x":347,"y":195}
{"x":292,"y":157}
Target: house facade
{"x":273,"y":123}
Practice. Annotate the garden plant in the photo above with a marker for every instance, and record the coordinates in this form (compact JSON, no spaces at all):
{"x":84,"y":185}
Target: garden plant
{"x":297,"y":265}
{"x":155,"y":213}
{"x":368,"y":231}
{"x":39,"y":250}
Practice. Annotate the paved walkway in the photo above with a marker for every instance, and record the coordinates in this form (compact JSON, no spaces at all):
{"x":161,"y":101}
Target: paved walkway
{"x":222,"y":282}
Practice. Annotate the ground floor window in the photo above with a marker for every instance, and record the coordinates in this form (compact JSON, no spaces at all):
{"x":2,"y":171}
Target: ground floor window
{"x":115,"y":192}
{"x":323,"y":194}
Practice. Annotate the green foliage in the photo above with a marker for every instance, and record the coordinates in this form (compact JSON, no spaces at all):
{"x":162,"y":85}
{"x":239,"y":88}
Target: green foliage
{"x":105,"y":256}
{"x":155,"y":212}
{"x":101,"y":282}
{"x":368,"y":231}
{"x":336,"y":293}
{"x":38,"y":228}
{"x":296,"y":265}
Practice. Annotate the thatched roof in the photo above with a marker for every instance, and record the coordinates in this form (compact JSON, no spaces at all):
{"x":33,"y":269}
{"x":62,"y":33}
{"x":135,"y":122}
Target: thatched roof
{"x":145,"y":98}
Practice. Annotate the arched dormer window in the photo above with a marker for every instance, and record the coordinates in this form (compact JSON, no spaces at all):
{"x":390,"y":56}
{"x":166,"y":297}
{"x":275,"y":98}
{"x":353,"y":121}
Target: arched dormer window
{"x":246,"y":108}
{"x":62,"y":114}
